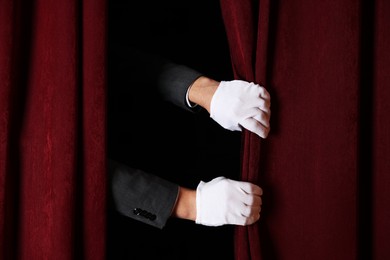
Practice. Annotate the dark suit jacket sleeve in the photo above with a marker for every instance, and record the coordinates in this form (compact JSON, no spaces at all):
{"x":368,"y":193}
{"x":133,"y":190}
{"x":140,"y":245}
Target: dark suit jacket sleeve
{"x":174,"y":81}
{"x":148,"y":74}
{"x":135,"y":193}
{"x":141,"y":196}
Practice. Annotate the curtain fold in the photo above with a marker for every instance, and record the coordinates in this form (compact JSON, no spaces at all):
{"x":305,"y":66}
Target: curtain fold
{"x":323,"y":167}
{"x":246,"y":25}
{"x":380,"y":220}
{"x":52,"y":135}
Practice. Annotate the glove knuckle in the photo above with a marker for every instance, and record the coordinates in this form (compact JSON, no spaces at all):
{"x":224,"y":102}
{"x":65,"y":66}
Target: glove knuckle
{"x":250,"y":200}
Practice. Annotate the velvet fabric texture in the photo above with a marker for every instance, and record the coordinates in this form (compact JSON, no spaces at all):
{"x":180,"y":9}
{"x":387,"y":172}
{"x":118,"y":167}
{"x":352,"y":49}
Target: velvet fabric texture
{"x":325,"y":166}
{"x":52,"y":134}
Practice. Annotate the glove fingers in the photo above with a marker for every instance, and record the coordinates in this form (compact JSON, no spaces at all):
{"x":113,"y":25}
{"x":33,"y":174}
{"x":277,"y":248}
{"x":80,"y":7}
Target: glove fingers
{"x":263,"y":104}
{"x":250,"y":188}
{"x":253,"y":219}
{"x":251,"y":216}
{"x":249,"y":211}
{"x":223,"y":201}
{"x":243,"y":220}
{"x":235,"y":101}
{"x":261,"y":117}
{"x":264,"y":94}
{"x":254,"y":126}
{"x":252,"y":200}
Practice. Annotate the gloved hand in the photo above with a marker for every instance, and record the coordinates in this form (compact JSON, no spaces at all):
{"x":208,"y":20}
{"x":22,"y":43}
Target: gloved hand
{"x":223,"y":201}
{"x":238,"y":103}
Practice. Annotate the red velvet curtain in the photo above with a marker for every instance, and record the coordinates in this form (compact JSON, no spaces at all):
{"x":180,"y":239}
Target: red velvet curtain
{"x":52,"y":134}
{"x":325,"y":166}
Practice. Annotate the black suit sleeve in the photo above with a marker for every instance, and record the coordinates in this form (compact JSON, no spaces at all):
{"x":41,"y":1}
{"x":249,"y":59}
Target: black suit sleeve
{"x":141,"y":196}
{"x":134,"y":75}
{"x":147,"y":74}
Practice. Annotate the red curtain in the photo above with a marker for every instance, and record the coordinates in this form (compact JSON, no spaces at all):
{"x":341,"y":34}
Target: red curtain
{"x":325,"y":166}
{"x":52,"y":134}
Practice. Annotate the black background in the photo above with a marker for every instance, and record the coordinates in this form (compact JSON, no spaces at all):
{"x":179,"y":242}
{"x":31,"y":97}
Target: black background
{"x":165,"y":140}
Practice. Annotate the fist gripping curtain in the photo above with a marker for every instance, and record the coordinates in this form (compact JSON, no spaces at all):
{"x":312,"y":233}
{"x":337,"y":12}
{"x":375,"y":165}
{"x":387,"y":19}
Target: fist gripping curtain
{"x":52,"y":120}
{"x":325,"y":166}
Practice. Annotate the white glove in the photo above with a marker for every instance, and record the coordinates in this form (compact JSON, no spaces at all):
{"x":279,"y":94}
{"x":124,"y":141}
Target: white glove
{"x":223,"y":201}
{"x":238,"y":103}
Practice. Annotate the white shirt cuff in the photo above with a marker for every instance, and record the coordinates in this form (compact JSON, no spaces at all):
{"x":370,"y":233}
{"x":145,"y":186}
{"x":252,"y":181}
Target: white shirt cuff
{"x":189,"y":103}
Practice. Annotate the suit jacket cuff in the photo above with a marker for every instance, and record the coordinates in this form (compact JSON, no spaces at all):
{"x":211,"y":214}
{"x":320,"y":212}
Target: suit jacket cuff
{"x":142,"y":196}
{"x":174,"y":83}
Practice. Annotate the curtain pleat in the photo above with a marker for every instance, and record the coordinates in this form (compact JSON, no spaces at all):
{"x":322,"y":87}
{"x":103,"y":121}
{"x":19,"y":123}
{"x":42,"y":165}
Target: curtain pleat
{"x":380,"y":197}
{"x":52,"y":173}
{"x":246,"y":25}
{"x":323,"y":167}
